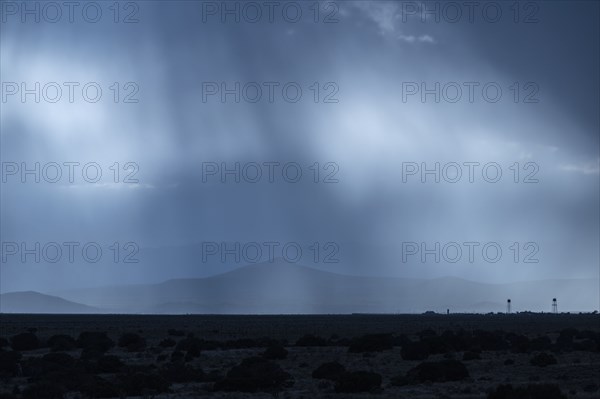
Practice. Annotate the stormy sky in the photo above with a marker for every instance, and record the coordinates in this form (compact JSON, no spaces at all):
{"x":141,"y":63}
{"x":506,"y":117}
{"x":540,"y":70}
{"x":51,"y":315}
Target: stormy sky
{"x":387,"y":89}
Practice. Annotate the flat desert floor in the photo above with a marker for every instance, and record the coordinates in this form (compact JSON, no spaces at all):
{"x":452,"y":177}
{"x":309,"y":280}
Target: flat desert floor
{"x":305,"y":356}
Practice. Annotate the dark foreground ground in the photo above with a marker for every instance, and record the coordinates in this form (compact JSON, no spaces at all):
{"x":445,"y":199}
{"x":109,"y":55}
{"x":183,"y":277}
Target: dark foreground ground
{"x":521,"y":356}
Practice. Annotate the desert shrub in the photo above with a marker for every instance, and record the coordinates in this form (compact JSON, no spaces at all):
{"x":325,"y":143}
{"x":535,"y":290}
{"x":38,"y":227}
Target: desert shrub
{"x":192,"y":346}
{"x":44,"y":390}
{"x":442,"y":371}
{"x":243,"y":343}
{"x":25,"y":342}
{"x":78,"y":380}
{"x":311,"y":340}
{"x":94,"y":341}
{"x":457,"y":341}
{"x":587,"y":334}
{"x":564,"y":341}
{"x":97,"y":387}
{"x":371,"y":343}
{"x":59,"y":359}
{"x":329,"y":371}
{"x":67,"y":378}
{"x":340,"y":342}
{"x":414,"y":351}
{"x":590,"y":335}
{"x":91,"y":354}
{"x":167,"y":343}
{"x":253,"y":375}
{"x":275,"y":352}
{"x":542,"y":343}
{"x":61,"y":342}
{"x":213,"y":376}
{"x":185,"y":343}
{"x":109,"y":364}
{"x":209,"y":345}
{"x":132,"y":342}
{"x":587,"y":345}
{"x":445,"y":370}
{"x":176,"y":333}
{"x":426,"y":333}
{"x":518,"y":343}
{"x":9,"y":361}
{"x":401,"y":340}
{"x":155,"y":350}
{"x":490,"y":340}
{"x":542,"y":360}
{"x":470,"y":355}
{"x":531,"y":391}
{"x":591,"y":388}
{"x":139,"y":383}
{"x":509,"y":362}
{"x":436,"y":344}
{"x":180,"y":373}
{"x":177,"y":356}
{"x":42,"y":367}
{"x":570,"y":332}
{"x":358,"y":381}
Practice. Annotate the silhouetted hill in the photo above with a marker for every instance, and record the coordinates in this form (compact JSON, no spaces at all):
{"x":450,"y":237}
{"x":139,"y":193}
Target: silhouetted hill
{"x":34,"y":302}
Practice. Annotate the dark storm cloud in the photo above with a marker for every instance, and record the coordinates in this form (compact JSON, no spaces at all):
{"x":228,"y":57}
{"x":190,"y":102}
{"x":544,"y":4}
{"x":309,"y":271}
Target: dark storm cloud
{"x":369,"y":133}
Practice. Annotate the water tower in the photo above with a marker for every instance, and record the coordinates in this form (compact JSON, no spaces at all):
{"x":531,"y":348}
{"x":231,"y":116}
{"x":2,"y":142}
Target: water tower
{"x":554,"y":306}
{"x":508,"y":306}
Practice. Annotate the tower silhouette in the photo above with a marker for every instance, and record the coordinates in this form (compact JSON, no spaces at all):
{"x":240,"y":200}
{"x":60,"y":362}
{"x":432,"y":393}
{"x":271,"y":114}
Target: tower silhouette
{"x":554,"y":306}
{"x":508,"y":306}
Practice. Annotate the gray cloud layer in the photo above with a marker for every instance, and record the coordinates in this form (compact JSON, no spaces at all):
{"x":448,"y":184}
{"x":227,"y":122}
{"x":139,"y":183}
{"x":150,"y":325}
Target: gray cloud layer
{"x":369,"y":133}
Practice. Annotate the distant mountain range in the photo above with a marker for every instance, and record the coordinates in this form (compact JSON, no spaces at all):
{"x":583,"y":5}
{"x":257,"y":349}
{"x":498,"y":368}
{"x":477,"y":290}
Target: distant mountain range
{"x":34,"y":302}
{"x":281,"y":287}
